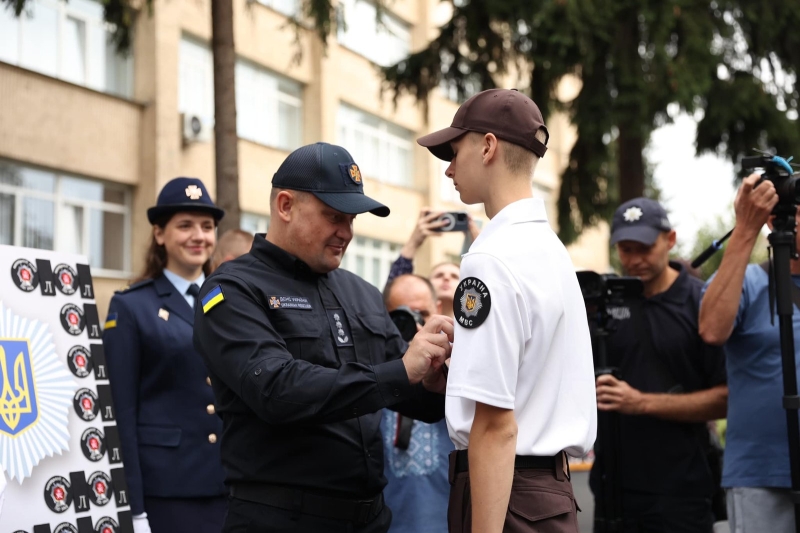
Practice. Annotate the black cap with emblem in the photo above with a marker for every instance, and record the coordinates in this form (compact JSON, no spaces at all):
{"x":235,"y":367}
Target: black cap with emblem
{"x":328,"y":172}
{"x":640,"y":220}
{"x":183,"y":194}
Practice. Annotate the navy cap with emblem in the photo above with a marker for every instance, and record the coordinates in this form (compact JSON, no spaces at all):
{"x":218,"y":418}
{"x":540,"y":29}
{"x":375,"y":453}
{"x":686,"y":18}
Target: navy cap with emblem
{"x":640,"y":220}
{"x":328,"y":172}
{"x":183,"y":194}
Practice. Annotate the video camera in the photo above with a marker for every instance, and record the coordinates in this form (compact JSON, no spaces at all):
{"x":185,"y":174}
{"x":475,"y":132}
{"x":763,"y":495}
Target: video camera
{"x":406,"y":320}
{"x":780,"y":173}
{"x":600,"y":290}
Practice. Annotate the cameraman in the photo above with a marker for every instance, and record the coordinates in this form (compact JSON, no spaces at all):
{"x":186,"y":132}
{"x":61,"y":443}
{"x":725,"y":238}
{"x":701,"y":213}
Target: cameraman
{"x":735,"y":312}
{"x":415,"y":453}
{"x":671,"y":384}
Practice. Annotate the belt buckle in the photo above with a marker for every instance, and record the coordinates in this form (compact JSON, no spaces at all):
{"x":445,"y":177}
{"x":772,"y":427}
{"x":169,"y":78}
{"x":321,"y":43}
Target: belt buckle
{"x":363,"y":511}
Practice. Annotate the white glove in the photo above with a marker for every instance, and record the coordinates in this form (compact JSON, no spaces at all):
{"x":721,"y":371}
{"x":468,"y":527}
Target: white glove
{"x":140,"y":523}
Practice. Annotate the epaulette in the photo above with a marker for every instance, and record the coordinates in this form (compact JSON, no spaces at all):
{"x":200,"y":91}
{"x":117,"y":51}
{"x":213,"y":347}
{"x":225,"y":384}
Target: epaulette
{"x":135,"y":286}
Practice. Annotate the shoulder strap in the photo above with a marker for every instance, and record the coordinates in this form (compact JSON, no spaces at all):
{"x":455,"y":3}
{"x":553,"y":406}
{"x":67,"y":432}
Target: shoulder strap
{"x":795,"y":289}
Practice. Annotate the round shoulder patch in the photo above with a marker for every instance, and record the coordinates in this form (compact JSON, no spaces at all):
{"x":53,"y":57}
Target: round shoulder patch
{"x":471,"y":303}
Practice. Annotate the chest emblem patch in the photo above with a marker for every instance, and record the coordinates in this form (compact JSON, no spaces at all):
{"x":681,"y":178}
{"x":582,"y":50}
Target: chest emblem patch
{"x":472,"y":302}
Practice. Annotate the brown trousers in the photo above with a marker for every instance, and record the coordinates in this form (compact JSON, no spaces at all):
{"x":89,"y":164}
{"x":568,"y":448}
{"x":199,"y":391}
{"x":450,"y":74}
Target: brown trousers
{"x":541,"y":501}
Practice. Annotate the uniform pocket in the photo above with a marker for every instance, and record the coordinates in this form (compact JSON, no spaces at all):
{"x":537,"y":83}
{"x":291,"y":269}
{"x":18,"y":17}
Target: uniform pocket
{"x":302,"y":334}
{"x":537,"y":505}
{"x":372,"y":336}
{"x":169,"y":437}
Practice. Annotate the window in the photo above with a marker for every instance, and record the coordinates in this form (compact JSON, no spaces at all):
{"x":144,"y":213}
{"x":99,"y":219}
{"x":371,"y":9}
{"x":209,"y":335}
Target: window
{"x":290,"y":8}
{"x":385,"y":43}
{"x":42,"y":209}
{"x":370,"y":259}
{"x":381,"y":149}
{"x":66,"y":40}
{"x":254,"y":223}
{"x":269,"y":108}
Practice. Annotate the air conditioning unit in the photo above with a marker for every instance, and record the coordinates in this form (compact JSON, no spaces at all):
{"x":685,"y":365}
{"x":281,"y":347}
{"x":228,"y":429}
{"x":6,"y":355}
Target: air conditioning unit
{"x":196,"y":129}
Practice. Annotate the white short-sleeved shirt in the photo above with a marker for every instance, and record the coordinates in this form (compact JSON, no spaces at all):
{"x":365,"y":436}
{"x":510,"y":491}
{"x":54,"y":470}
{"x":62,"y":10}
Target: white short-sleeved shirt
{"x":531,"y":351}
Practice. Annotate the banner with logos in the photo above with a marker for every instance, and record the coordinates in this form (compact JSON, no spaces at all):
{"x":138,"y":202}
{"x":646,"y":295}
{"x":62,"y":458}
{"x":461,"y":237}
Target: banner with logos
{"x":59,"y":446}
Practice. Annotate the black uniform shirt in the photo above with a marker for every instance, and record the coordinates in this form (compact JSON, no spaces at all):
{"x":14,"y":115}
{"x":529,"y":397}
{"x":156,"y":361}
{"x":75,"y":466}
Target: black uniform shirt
{"x":656,"y":455}
{"x":301,"y":364}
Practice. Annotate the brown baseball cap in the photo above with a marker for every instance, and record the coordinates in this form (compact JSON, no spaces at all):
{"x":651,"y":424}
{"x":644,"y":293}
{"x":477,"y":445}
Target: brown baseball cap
{"x":507,"y":113}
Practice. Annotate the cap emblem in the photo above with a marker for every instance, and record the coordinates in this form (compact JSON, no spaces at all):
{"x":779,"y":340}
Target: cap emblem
{"x":632,"y":214}
{"x":194,"y":192}
{"x":355,"y":173}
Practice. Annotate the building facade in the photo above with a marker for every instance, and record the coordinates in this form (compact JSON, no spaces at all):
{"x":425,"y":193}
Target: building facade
{"x":88,"y":137}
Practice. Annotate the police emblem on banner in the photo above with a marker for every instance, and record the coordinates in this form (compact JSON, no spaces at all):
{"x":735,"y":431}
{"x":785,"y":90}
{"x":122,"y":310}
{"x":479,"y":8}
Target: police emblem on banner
{"x":58,"y":494}
{"x":100,"y":489}
{"x":66,"y":279}
{"x":471,"y":303}
{"x":79,"y":361}
{"x":65,"y":527}
{"x":30,"y":372}
{"x":72,"y":319}
{"x":85,"y":403}
{"x":93,"y":444}
{"x":24,"y":275}
{"x":106,"y":525}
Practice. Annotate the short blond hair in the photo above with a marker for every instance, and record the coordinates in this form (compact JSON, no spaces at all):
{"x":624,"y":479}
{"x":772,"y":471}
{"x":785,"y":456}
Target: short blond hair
{"x":518,"y":160}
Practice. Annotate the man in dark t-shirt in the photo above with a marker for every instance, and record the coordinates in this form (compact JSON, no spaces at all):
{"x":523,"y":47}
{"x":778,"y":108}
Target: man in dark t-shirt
{"x":671,"y":384}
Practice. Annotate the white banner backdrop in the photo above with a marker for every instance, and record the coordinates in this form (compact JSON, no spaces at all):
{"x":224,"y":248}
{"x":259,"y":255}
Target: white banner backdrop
{"x":59,"y":446}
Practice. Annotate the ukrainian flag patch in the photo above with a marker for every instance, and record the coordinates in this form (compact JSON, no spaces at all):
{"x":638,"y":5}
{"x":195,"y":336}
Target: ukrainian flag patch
{"x":213,"y":297}
{"x":111,"y":321}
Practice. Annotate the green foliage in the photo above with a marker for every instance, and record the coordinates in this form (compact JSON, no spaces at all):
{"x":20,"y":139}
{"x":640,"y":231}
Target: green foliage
{"x":731,"y":61}
{"x":716,"y":230}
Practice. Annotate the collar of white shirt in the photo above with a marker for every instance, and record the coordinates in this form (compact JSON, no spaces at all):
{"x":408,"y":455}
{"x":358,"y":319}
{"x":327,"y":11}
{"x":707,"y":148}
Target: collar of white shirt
{"x":182,"y":284}
{"x":526,"y":210}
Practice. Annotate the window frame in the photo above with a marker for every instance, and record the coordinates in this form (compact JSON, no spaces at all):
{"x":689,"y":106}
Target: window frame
{"x":60,"y":202}
{"x":386,"y":253}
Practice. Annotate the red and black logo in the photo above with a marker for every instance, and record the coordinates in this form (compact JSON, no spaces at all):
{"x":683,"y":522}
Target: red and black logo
{"x":79,"y":361}
{"x":66,"y":278}
{"x":101,"y":488}
{"x":65,"y":527}
{"x":85,"y":402}
{"x":106,"y":525}
{"x":57,"y":494}
{"x":93,"y":444}
{"x":24,"y":275}
{"x":72,"y":319}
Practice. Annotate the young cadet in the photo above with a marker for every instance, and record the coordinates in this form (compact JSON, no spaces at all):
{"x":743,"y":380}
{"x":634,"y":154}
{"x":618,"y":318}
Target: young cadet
{"x":520,"y":386}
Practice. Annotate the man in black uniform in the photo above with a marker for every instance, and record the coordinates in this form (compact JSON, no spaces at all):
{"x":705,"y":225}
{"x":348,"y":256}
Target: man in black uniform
{"x":303,"y":356}
{"x":671,"y":384}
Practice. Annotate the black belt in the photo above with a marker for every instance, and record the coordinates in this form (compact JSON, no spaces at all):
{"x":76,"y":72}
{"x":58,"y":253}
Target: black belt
{"x":357,"y":511}
{"x":520,"y":461}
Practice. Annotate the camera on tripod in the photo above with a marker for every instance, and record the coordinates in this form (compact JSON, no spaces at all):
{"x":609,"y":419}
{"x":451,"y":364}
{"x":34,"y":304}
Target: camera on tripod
{"x":780,"y":173}
{"x":406,"y":320}
{"x":600,"y":290}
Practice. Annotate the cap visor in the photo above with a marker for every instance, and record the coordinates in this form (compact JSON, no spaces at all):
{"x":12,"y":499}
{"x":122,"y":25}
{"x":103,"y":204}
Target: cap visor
{"x":352,"y":203}
{"x":157,"y":212}
{"x":643,"y":234}
{"x":438,"y":142}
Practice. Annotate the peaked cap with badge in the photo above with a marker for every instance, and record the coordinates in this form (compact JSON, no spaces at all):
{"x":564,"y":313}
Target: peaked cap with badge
{"x":328,"y":172}
{"x":183,"y":194}
{"x":507,"y":113}
{"x":640,"y":220}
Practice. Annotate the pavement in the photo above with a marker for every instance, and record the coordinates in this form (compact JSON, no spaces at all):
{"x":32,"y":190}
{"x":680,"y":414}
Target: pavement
{"x":580,"y":486}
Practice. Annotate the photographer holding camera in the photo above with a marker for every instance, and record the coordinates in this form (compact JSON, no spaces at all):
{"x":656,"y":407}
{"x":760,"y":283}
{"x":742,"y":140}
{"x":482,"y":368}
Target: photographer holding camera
{"x":415,"y":453}
{"x":670,"y":383}
{"x":444,"y":276}
{"x":736,"y":312}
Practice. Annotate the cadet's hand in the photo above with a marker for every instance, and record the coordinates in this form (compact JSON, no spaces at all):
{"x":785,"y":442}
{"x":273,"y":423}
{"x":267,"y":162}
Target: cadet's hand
{"x":429,"y":348}
{"x":753,"y":205}
{"x":616,"y":395}
{"x":140,"y":523}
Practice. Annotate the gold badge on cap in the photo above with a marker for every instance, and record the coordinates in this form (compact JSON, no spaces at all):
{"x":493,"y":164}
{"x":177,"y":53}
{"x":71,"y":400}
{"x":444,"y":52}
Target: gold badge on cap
{"x":355,"y":173}
{"x":163,"y":314}
{"x":194,"y":192}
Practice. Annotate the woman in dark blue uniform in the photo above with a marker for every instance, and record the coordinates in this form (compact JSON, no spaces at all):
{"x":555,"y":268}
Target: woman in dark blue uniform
{"x":162,"y":394}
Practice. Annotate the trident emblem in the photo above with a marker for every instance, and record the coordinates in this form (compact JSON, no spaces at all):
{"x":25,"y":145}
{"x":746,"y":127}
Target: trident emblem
{"x":15,"y":400}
